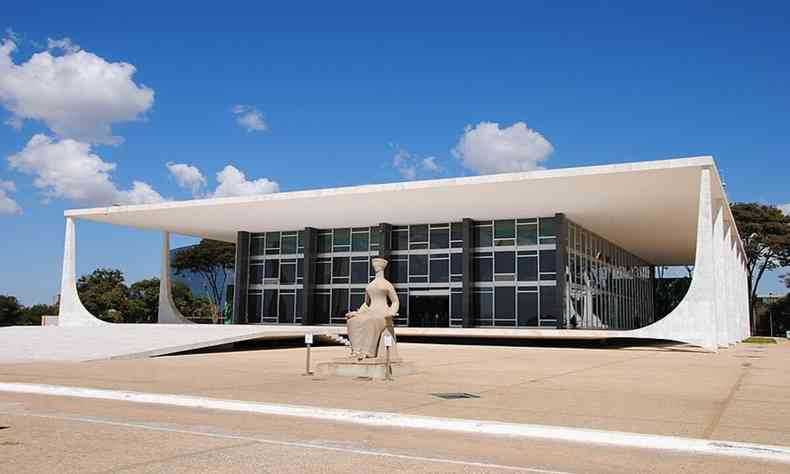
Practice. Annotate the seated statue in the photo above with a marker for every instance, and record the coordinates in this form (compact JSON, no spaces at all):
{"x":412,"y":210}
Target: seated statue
{"x":368,"y":325}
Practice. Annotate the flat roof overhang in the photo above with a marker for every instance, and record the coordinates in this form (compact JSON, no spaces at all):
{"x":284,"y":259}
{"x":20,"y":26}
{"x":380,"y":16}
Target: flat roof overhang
{"x":648,"y":208}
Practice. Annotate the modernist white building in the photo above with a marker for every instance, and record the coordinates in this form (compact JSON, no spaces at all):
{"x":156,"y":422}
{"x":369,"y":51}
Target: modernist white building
{"x":548,"y":253}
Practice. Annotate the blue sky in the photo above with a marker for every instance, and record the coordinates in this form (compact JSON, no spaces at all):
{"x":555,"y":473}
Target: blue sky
{"x":336,"y":92}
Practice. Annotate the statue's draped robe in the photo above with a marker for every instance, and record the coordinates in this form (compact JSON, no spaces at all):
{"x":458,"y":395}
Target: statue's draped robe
{"x":372,"y":318}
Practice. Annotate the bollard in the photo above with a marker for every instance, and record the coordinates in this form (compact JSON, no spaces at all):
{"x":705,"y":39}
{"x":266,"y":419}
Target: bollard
{"x":308,"y":340}
{"x":388,"y":367}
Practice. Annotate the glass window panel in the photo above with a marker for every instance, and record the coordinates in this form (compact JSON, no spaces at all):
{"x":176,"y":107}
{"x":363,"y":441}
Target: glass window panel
{"x":300,"y":241}
{"x":440,"y":238}
{"x":527,"y":268}
{"x":342,"y":237}
{"x":399,"y":271}
{"x":456,"y":231}
{"x":360,"y":242}
{"x":299,"y":303}
{"x":272,"y":269}
{"x":456,"y":306}
{"x":288,"y":274}
{"x":289,"y":244}
{"x":323,"y":273}
{"x":483,"y":305}
{"x":400,"y":240}
{"x":505,"y":302}
{"x":287,"y":313}
{"x":300,"y":267}
{"x":457,"y":263}
{"x":272,"y":240}
{"x":339,"y":302}
{"x":548,"y":302}
{"x":418,"y":233}
{"x":340,"y":267}
{"x":359,"y":272}
{"x":254,"y":302}
{"x":527,"y":235}
{"x":257,"y":246}
{"x":547,"y":227}
{"x":505,"y":229}
{"x":324,"y":243}
{"x":418,"y":264}
{"x":269,"y":303}
{"x":356,"y":301}
{"x":440,"y":271}
{"x":322,"y":308}
{"x":483,"y":236}
{"x":256,"y":274}
{"x":483,"y":269}
{"x":548,"y":260}
{"x":505,"y":262}
{"x":527,"y":309}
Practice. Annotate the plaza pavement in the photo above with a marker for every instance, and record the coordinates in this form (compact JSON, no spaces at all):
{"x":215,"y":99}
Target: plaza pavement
{"x":739,"y":394}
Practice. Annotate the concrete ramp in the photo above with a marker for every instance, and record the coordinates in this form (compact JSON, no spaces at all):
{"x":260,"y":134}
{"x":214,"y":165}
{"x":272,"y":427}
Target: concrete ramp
{"x":23,"y":344}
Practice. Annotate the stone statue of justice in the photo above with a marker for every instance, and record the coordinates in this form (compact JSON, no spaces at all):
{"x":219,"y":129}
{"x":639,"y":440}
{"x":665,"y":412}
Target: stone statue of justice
{"x":368,"y":325}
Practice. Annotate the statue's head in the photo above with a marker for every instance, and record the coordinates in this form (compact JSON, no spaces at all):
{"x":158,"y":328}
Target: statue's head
{"x":379,"y":264}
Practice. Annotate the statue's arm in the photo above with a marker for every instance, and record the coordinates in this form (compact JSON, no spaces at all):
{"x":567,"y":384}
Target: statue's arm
{"x":361,"y":309}
{"x":393,"y":296}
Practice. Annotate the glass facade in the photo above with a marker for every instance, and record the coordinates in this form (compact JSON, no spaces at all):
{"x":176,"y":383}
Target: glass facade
{"x":514,"y":265}
{"x":607,"y":286}
{"x":514,"y":271}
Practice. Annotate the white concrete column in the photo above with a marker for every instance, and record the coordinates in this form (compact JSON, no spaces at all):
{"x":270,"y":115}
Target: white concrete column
{"x":720,"y":275}
{"x":71,"y":311}
{"x":747,"y":326}
{"x":732,"y":301}
{"x":693,"y":321}
{"x":168,"y":312}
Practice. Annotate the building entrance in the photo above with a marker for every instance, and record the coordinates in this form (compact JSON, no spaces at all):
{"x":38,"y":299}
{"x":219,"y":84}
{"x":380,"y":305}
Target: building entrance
{"x":429,"y":311}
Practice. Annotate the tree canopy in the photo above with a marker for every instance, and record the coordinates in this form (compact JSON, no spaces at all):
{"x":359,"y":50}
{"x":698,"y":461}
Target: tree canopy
{"x":210,"y":259}
{"x":765,"y":232}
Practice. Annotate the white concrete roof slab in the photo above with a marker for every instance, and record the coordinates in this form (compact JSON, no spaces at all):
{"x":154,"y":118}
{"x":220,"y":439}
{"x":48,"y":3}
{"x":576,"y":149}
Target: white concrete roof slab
{"x":649,"y":208}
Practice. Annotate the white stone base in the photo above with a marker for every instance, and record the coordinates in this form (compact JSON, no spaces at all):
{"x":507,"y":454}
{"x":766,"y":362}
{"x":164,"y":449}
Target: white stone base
{"x":372,"y":368}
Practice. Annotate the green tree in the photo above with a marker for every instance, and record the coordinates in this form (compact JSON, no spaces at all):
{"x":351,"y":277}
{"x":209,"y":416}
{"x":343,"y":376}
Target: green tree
{"x":104,"y":294}
{"x":765,"y":232}
{"x":10,"y":310}
{"x":212,"y":260}
{"x":144,"y":302}
{"x":31,"y":315}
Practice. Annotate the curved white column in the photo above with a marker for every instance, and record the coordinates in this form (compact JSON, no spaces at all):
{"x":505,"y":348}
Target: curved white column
{"x":71,"y":311}
{"x":693,"y":321}
{"x":168,"y":312}
{"x":720,"y":275}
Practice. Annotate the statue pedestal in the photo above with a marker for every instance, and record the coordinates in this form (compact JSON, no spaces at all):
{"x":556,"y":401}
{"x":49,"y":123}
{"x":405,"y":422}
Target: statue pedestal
{"x":373,"y":368}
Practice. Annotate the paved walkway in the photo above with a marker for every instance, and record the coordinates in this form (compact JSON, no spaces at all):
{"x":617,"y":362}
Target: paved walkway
{"x":739,"y":394}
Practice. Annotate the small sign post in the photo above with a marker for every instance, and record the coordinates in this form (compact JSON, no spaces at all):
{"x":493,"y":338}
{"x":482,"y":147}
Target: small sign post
{"x":308,"y":340}
{"x":388,"y":367}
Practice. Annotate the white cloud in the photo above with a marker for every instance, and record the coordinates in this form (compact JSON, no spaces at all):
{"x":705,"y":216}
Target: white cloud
{"x":76,"y":94}
{"x":409,"y":165}
{"x":430,"y":164}
{"x":249,"y":118}
{"x":67,"y":169}
{"x":785,"y":208}
{"x":64,"y":44}
{"x":7,"y":205}
{"x":486,"y":148}
{"x":405,"y":163}
{"x":232,"y":182}
{"x":187,"y":176}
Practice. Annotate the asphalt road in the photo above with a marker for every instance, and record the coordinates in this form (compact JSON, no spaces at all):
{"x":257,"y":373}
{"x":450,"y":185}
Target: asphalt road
{"x":65,"y":434}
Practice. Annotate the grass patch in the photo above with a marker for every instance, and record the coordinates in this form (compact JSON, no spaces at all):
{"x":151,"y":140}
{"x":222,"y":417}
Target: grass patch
{"x":760,"y":340}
